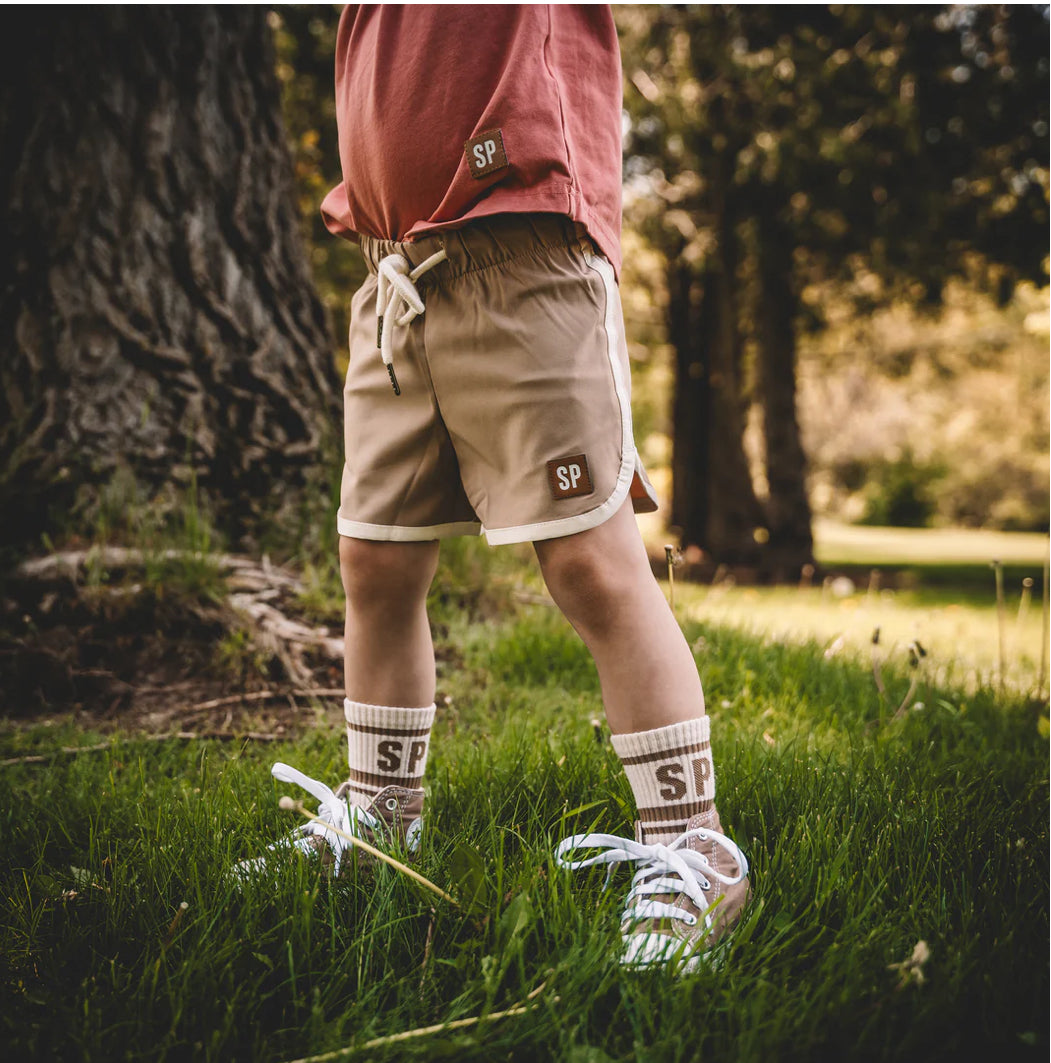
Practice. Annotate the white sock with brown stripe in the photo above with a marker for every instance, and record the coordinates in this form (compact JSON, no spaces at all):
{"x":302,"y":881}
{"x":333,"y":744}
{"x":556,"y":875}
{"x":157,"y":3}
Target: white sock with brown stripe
{"x":386,"y":746}
{"x":671,"y":774}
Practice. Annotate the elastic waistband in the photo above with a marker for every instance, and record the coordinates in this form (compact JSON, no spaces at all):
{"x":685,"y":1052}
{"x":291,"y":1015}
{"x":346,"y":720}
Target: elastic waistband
{"x":479,"y":244}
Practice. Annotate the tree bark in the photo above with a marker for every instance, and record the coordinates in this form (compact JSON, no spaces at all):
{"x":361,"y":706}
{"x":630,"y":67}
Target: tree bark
{"x":791,"y":544}
{"x":734,"y":512}
{"x":691,"y":405}
{"x":156,"y":307}
{"x":715,"y":504}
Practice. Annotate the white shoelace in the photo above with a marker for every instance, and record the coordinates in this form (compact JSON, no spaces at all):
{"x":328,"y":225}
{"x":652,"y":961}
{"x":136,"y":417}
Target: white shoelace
{"x":663,"y":869}
{"x":332,"y":809}
{"x":398,"y":299}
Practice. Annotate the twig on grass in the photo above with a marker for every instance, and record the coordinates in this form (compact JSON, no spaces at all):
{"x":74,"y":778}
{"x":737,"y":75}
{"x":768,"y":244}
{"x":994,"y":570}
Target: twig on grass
{"x":998,"y":572}
{"x":877,"y":666}
{"x":427,"y":948}
{"x":1044,"y":631}
{"x":264,"y":695}
{"x":178,"y":736}
{"x":672,"y":559}
{"x":916,"y":655}
{"x":1024,"y":598}
{"x":426,"y":1031}
{"x":174,"y":925}
{"x":288,"y":804}
{"x":529,"y":598}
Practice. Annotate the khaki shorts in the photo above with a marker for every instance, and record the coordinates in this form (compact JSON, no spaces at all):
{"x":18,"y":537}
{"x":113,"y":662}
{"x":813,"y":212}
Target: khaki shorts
{"x":514,"y":415}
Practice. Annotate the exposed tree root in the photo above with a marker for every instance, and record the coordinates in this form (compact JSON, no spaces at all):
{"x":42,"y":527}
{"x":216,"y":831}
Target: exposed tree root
{"x":109,"y":599}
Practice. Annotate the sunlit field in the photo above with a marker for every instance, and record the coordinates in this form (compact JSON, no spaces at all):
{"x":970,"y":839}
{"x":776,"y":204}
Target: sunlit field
{"x":930,"y":589}
{"x":839,"y":544}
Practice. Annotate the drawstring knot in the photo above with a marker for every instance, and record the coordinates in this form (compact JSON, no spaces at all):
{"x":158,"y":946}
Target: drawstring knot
{"x":398,"y":299}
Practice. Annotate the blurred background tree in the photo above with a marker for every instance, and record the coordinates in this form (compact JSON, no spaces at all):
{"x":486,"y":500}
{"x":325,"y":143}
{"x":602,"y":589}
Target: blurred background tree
{"x":773,"y":150}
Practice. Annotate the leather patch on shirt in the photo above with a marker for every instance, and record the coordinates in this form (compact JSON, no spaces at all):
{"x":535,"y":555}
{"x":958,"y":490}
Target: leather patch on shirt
{"x":569,"y":477}
{"x":485,"y":153}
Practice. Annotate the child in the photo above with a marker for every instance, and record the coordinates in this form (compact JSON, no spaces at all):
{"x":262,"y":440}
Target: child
{"x":488,"y":389}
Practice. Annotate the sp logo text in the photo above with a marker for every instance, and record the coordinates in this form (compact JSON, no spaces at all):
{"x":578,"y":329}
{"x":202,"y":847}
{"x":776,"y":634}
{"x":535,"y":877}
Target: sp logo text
{"x":485,"y":153}
{"x":569,"y":477}
{"x":678,"y":780}
{"x":391,"y":755}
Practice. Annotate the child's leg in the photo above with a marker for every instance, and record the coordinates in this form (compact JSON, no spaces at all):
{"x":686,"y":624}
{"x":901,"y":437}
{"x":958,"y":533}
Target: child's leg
{"x":389,"y":706}
{"x":389,"y":664}
{"x":601,"y":580}
{"x":389,"y":656}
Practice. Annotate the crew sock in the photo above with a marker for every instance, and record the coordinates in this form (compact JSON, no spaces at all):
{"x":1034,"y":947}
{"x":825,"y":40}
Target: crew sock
{"x":387,"y":746}
{"x":671,"y":774}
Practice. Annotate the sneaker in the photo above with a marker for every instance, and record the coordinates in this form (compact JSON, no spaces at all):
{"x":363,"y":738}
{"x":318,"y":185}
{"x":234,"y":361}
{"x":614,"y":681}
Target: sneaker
{"x":684,"y":897}
{"x":393,"y":816}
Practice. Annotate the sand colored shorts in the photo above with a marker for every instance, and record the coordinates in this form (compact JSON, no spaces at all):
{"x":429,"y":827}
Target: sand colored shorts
{"x":505,"y":340}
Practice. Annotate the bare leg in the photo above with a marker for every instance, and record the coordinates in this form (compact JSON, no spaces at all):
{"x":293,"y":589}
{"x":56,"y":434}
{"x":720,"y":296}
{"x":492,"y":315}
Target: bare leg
{"x":389,"y":653}
{"x":601,"y":580}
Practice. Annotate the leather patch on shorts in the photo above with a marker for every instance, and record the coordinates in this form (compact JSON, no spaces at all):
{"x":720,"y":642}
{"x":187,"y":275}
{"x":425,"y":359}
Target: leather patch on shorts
{"x":569,"y":477}
{"x":485,"y":153}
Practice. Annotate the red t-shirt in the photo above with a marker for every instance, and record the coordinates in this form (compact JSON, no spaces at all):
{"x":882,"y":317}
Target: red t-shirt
{"x":450,"y":112}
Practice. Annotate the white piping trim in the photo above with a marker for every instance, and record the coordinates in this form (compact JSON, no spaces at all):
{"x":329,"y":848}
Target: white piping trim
{"x":353,"y":529}
{"x":552,"y":529}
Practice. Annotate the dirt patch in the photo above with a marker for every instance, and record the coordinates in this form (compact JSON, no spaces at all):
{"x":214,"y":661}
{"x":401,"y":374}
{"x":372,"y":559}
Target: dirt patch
{"x":159,"y":657}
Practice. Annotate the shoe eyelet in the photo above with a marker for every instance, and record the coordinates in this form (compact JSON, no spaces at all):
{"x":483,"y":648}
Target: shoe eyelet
{"x":392,"y":804}
{"x":691,"y":920}
{"x":705,"y":884}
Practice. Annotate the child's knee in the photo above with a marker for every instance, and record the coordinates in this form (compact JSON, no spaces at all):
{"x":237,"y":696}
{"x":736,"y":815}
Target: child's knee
{"x":585,"y":583}
{"x":377,"y":573}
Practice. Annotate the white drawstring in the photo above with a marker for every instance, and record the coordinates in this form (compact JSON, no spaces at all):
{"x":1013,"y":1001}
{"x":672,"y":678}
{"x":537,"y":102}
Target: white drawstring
{"x":397,"y":290}
{"x":663,"y":869}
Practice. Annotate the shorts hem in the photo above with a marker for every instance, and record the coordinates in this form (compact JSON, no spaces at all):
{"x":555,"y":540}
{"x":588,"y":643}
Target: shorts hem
{"x":353,"y":529}
{"x":561,"y":526}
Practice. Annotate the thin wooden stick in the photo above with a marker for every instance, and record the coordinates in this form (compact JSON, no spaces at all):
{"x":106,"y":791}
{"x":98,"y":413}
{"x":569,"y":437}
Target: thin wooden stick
{"x":232,"y":699}
{"x":669,"y":555}
{"x":174,"y":925}
{"x":266,"y":695}
{"x":177,"y":736}
{"x":42,"y":758}
{"x":288,"y":804}
{"x":424,"y":1031}
{"x":1044,"y":635}
{"x":998,"y":570}
{"x":1024,"y":599}
{"x":427,"y":950}
{"x":877,"y":669}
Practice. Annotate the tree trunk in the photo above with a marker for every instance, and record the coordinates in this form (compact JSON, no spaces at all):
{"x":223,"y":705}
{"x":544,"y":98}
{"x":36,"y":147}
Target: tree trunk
{"x":715,"y":503}
{"x":691,"y":404}
{"x":791,"y":544}
{"x":156,"y":308}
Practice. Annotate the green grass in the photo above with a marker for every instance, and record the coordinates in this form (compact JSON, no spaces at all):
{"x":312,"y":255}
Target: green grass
{"x":936,"y":587}
{"x":961,"y":634}
{"x":866,"y":835}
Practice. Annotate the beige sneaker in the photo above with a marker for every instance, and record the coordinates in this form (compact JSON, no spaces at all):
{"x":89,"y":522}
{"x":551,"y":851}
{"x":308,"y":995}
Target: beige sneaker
{"x":684,"y":897}
{"x":392,"y":818}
